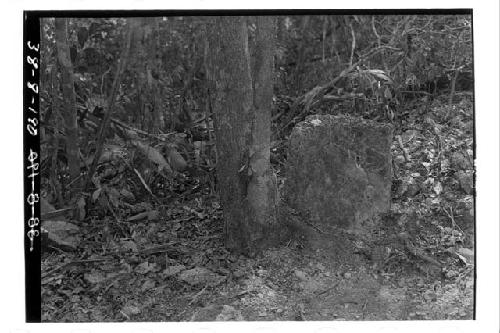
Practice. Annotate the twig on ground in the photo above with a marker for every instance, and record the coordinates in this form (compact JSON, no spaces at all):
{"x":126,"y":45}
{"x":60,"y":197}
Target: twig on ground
{"x":405,"y":151}
{"x":327,"y":290}
{"x":452,"y":218}
{"x":65,"y":265}
{"x":353,"y":42}
{"x":419,"y":254}
{"x":143,"y":182}
{"x":314,"y":226}
{"x":198,"y":294}
{"x":161,"y":137}
{"x":363,"y":308}
{"x":56,"y":213}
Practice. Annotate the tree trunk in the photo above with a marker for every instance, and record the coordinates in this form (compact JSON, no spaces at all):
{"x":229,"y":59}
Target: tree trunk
{"x":453,"y":86}
{"x":152,"y":71}
{"x":301,"y":54}
{"x":262,"y":186}
{"x":143,"y":50}
{"x":245,"y":181}
{"x":69,"y":99}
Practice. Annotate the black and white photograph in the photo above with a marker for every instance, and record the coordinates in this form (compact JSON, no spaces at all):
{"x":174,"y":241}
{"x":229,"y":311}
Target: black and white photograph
{"x":250,"y":165}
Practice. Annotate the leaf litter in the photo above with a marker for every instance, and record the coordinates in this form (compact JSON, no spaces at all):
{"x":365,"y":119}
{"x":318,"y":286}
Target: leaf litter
{"x":164,"y":259}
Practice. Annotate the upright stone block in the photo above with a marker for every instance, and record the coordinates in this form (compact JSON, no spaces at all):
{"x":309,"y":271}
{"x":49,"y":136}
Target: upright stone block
{"x":339,"y":170}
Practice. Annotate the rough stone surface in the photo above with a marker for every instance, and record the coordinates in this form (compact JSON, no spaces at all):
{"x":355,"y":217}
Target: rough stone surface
{"x":62,"y":234}
{"x":173,"y":270}
{"x":229,"y":313}
{"x":199,"y":275}
{"x":339,"y":170}
{"x":466,"y":181}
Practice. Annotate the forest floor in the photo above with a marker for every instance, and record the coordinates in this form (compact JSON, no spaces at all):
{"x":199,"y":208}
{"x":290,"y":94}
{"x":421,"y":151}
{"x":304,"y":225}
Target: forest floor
{"x":170,"y":264}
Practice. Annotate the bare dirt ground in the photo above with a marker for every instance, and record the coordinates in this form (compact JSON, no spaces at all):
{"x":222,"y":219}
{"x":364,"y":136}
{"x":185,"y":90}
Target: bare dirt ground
{"x":294,"y":282}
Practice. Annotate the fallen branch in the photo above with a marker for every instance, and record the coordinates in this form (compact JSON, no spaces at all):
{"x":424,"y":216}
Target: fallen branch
{"x":65,"y":265}
{"x":56,"y":213}
{"x":317,"y":94}
{"x":452,"y":218}
{"x":420,"y":254}
{"x":353,"y":42}
{"x":415,"y":92}
{"x":198,"y":294}
{"x":144,"y":183}
{"x":314,"y":227}
{"x":160,"y":137}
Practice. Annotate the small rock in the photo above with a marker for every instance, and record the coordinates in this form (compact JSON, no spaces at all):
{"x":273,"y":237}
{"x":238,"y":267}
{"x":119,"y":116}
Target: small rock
{"x":271,"y":293}
{"x":301,"y":275}
{"x":199,"y":275}
{"x":127,"y":195}
{"x":430,"y":296}
{"x":409,"y":135}
{"x":229,"y":313}
{"x":130,"y":310}
{"x":94,"y":277}
{"x":129,"y":245}
{"x":145,"y":267}
{"x":239,"y":273}
{"x":412,"y":190}
{"x":451,"y":274}
{"x":207,"y":313}
{"x":347,"y":275}
{"x":153,"y":215}
{"x":62,"y":234}
{"x":148,"y":284}
{"x":467,"y":253}
{"x":311,"y":286}
{"x":459,"y":162}
{"x":400,"y":159}
{"x":172,"y":270}
{"x":466,"y":181}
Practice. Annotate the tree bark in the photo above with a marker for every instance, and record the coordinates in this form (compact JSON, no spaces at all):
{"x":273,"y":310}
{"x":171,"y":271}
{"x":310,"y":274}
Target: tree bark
{"x":69,"y":99}
{"x":301,"y":54}
{"x":262,"y":186}
{"x":453,"y":86}
{"x":150,"y":26}
{"x":242,"y":128}
{"x":143,"y":52}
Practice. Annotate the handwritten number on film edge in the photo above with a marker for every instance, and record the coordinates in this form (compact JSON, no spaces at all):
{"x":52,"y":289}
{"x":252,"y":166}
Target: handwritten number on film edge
{"x":32,"y":128}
